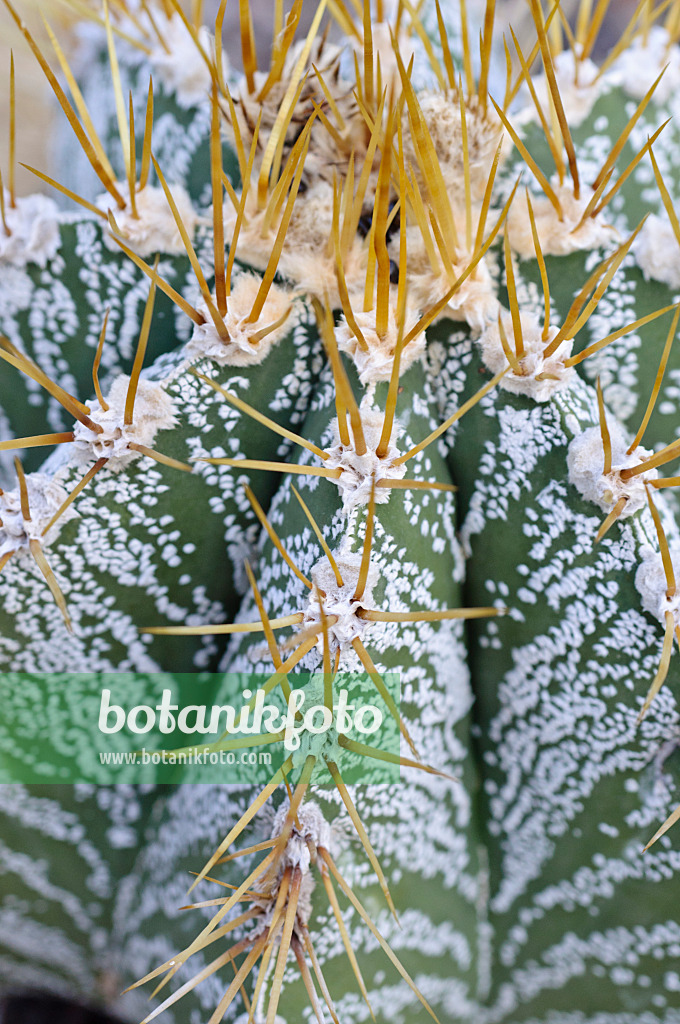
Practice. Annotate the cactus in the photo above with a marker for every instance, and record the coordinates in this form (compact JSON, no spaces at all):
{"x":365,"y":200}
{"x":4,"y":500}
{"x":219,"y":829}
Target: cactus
{"x":381,"y":339}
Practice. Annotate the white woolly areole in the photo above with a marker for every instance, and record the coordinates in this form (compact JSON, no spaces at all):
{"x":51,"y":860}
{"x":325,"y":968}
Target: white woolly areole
{"x":181,"y":69}
{"x":153,"y":412}
{"x":375,"y":363}
{"x":309,"y":829}
{"x":651,"y":584}
{"x":474,"y":302}
{"x":657,"y":251}
{"x":578,"y":83}
{"x":45,"y":497}
{"x":34,"y":231}
{"x":358,"y":471}
{"x":339,"y":601}
{"x":263,"y":99}
{"x":585,"y":460}
{"x":154,"y":229}
{"x":643,"y":61}
{"x":441,"y":112}
{"x":310,"y":825}
{"x":307,"y":259}
{"x":557,"y":237}
{"x":242,"y":349}
{"x":534,"y":363}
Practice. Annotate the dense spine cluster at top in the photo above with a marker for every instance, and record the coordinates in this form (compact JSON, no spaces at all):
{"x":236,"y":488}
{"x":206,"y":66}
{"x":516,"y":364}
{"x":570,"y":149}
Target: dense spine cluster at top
{"x":364,"y":360}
